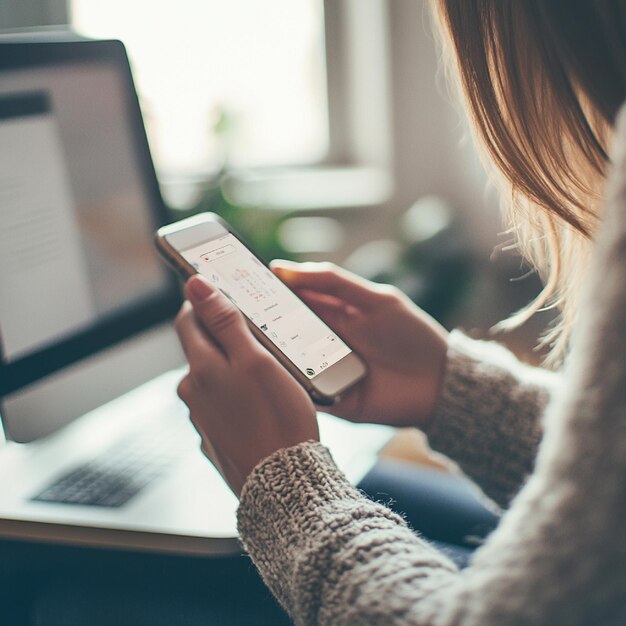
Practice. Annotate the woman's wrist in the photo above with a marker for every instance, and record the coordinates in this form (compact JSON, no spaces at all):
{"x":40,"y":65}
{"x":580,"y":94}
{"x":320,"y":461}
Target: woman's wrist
{"x":432,"y":387}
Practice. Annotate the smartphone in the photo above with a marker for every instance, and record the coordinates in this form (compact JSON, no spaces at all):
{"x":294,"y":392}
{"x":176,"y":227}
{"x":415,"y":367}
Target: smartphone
{"x":312,"y":352}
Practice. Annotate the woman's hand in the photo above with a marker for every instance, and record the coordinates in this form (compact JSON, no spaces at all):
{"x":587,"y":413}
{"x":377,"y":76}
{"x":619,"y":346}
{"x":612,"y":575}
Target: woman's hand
{"x":404,"y":348}
{"x":242,"y":401}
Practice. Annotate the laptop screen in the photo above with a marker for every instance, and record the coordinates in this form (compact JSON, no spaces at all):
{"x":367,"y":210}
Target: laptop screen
{"x":79,"y":204}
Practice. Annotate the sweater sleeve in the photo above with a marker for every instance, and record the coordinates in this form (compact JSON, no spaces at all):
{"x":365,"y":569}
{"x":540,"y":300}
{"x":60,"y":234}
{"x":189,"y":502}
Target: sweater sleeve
{"x":334,"y":558}
{"x":488,"y":417}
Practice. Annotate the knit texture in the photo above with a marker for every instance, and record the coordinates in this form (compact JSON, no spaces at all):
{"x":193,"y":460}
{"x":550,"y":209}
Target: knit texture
{"x":558,"y":557}
{"x":488,"y":417}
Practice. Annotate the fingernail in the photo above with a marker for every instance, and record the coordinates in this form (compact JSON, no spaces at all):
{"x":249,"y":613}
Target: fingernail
{"x":199,"y":288}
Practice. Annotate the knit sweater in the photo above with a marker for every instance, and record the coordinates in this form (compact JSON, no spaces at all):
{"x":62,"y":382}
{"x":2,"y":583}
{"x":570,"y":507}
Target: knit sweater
{"x":558,"y":556}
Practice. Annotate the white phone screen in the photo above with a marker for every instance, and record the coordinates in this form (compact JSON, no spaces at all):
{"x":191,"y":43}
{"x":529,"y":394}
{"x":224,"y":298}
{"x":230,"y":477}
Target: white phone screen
{"x":302,"y":336}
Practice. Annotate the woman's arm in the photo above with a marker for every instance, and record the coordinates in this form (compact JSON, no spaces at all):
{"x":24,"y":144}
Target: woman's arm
{"x":406,"y":352}
{"x":332,"y":557}
{"x":488,"y":417}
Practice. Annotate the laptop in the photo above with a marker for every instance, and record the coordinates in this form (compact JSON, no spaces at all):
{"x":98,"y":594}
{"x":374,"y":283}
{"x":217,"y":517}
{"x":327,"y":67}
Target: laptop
{"x":97,"y":448}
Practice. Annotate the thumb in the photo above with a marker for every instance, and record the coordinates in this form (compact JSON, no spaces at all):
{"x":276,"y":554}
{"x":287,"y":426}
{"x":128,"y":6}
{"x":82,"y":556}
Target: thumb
{"x":328,"y":279}
{"x":218,"y":315}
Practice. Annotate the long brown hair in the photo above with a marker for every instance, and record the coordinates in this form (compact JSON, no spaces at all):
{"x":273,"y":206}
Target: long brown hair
{"x":544,"y":80}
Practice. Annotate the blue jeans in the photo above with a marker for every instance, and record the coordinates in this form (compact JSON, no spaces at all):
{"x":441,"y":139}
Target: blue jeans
{"x":442,"y":508}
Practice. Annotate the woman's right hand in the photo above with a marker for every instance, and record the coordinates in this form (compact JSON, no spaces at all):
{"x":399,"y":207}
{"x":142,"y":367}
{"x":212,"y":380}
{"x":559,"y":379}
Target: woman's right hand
{"x":403,"y":347}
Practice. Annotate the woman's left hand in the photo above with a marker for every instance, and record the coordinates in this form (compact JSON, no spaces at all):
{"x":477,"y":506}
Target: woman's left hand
{"x":242,"y":401}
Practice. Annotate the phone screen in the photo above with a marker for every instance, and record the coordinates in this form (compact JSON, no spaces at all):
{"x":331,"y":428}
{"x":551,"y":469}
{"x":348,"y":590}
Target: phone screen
{"x":269,"y":304}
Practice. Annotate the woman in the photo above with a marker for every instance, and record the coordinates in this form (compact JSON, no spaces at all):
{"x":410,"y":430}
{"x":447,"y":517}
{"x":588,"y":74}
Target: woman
{"x":544,"y":82}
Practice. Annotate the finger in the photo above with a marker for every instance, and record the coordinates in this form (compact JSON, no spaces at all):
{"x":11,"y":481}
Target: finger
{"x":316,"y":298}
{"x":334,"y":312}
{"x":205,"y":445}
{"x":198,"y":348}
{"x":219,"y":316}
{"x":209,"y":452}
{"x":184,"y":389}
{"x":329,"y":279}
{"x":347,"y":406}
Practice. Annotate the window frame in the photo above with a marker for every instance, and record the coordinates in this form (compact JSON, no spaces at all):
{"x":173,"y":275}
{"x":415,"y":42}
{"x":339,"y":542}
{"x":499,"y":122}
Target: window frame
{"x":357,"y":170}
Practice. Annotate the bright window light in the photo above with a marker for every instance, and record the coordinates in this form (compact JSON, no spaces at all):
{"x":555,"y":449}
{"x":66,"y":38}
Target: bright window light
{"x":236,"y":80}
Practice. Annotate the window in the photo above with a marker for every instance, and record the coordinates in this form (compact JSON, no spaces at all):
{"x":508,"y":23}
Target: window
{"x":262,"y":86}
{"x":242,"y":80}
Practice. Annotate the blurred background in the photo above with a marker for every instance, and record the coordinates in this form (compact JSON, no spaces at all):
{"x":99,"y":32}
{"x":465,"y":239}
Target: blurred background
{"x":321,"y":129}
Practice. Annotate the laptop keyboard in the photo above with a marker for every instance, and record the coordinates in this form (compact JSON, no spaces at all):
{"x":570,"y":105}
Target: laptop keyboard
{"x":122,"y":470}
